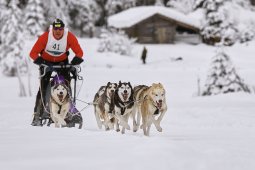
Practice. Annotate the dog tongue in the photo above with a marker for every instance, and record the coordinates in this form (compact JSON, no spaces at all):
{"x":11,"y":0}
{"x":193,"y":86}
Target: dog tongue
{"x":60,"y":97}
{"x":159,"y":105}
{"x":125,"y":96}
{"x":110,"y":94}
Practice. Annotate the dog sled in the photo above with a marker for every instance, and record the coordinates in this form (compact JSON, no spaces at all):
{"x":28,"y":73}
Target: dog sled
{"x":73,"y":116}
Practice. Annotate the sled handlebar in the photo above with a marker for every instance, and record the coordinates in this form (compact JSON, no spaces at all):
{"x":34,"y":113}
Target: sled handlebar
{"x":77,"y":68}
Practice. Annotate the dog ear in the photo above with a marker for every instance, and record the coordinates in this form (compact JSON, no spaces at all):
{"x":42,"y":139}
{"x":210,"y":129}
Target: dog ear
{"x":68,"y":93}
{"x":52,"y":83}
{"x":108,"y":83}
{"x":119,"y":83}
{"x":130,"y":85}
{"x":67,"y":83}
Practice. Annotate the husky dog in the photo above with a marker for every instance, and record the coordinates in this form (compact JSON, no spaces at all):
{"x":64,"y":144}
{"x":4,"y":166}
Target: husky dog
{"x":102,"y":104}
{"x":59,"y":101}
{"x":123,"y":105}
{"x":152,"y":103}
{"x":138,"y":98}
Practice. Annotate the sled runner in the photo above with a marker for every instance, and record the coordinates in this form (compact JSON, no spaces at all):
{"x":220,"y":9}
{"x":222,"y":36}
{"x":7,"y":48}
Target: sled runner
{"x":73,"y":116}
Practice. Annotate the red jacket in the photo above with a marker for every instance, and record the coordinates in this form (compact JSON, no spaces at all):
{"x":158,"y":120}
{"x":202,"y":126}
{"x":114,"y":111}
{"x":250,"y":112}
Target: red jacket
{"x":41,"y":43}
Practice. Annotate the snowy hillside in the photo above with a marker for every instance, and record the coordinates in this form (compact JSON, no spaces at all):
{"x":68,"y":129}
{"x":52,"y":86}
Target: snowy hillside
{"x":199,"y":133}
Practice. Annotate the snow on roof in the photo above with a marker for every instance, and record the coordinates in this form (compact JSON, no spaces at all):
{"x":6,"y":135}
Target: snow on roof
{"x":135,"y":15}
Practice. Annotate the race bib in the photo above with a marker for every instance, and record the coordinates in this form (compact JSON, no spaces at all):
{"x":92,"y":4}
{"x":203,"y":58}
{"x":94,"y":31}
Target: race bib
{"x":55,"y":47}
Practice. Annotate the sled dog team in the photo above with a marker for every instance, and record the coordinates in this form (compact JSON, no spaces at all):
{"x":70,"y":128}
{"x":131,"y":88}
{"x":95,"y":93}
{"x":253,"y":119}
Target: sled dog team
{"x":115,"y":103}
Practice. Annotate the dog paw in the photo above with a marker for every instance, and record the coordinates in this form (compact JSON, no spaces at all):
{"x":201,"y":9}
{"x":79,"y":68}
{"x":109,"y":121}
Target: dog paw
{"x":146,"y":134}
{"x":159,"y":129}
{"x":99,"y":124}
{"x":135,"y":129}
{"x":63,"y":123}
{"x":141,"y":126}
{"x":111,"y":126}
{"x":57,"y":125}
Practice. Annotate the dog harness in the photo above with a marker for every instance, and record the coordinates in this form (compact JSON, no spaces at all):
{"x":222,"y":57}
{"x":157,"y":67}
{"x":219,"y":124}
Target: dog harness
{"x":60,"y":107}
{"x":124,"y":105}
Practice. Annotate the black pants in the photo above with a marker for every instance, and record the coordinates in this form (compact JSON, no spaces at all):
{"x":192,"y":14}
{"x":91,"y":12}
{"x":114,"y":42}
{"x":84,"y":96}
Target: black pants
{"x":45,"y":80}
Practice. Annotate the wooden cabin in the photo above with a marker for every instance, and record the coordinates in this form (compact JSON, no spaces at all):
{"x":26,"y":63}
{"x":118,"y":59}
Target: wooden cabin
{"x":153,"y":24}
{"x":253,"y":2}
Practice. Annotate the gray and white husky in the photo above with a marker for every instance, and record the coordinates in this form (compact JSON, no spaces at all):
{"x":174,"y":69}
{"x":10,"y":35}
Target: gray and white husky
{"x":102,"y":105}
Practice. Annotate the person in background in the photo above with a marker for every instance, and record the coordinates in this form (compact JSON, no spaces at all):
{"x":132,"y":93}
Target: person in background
{"x":51,"y":48}
{"x":144,"y":55}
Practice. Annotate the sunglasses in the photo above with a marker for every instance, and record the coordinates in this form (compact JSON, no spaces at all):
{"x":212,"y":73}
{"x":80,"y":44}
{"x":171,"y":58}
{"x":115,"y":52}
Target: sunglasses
{"x":60,"y":28}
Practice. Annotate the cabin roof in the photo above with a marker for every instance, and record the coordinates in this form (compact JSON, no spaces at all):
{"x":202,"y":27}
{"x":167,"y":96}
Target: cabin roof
{"x":133,"y":16}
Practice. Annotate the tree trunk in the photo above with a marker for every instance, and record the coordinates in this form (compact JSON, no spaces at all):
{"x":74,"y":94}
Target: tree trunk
{"x":22,"y":92}
{"x":29,"y":78}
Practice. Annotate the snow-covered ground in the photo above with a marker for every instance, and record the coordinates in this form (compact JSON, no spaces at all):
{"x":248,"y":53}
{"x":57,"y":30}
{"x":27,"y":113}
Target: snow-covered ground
{"x":199,"y":133}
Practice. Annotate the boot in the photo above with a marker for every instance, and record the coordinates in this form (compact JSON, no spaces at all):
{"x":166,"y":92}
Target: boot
{"x":37,"y":121}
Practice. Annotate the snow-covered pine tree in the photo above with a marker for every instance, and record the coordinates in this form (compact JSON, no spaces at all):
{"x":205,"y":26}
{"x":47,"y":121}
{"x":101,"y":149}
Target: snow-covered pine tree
{"x":110,"y":7}
{"x":35,"y":17}
{"x":244,"y":3}
{"x":116,"y":6}
{"x":12,"y":59}
{"x":247,"y":33}
{"x":56,"y":9}
{"x":184,"y":6}
{"x":83,"y":15}
{"x":246,"y":30}
{"x":115,"y":41}
{"x":222,"y":77}
{"x":104,"y":44}
{"x":159,"y":3}
{"x":218,"y":27}
{"x":145,"y":2}
{"x":12,"y":43}
{"x":198,"y":4}
{"x":3,"y":18}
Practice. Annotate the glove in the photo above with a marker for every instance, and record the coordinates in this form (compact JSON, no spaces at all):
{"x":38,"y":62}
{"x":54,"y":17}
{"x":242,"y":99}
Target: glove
{"x":76,"y":60}
{"x":67,"y":53}
{"x":39,"y":61}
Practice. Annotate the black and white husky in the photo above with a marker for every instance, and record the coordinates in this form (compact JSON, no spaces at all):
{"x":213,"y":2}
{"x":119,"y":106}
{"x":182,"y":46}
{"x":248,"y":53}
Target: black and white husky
{"x":102,"y":105}
{"x":59,"y":102}
{"x":123,"y":105}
